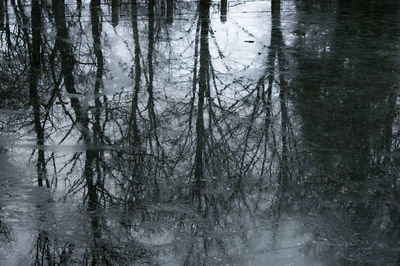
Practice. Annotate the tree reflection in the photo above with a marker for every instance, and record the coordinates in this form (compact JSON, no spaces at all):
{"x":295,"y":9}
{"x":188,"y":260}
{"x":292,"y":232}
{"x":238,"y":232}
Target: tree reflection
{"x":170,"y":11}
{"x":115,"y":12}
{"x":178,"y":152}
{"x":340,"y":115}
{"x":3,"y":6}
{"x":33,"y":88}
{"x":203,"y":76}
{"x":224,"y":10}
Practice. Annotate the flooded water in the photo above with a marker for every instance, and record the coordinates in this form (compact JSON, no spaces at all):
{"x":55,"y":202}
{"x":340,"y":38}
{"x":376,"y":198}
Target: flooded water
{"x":167,"y":132}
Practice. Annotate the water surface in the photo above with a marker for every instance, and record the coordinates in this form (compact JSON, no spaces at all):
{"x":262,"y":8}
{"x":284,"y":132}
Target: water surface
{"x":197,"y":133}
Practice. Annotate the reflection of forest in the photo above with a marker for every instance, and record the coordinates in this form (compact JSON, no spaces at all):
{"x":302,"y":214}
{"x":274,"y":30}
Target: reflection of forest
{"x":184,"y":156}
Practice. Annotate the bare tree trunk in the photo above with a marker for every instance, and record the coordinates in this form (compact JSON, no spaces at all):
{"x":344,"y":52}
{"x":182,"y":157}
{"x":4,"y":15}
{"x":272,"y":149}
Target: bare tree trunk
{"x":277,"y":45}
{"x":79,"y":9}
{"x":96,"y":33}
{"x":67,"y":66}
{"x":276,"y":7}
{"x":3,"y":4}
{"x":134,"y":139}
{"x":7,"y":26}
{"x":150,"y":104}
{"x":115,"y":12}
{"x":89,"y":177}
{"x":33,"y":88}
{"x":203,"y":74}
{"x":170,"y":11}
{"x":133,"y":116}
{"x":95,"y":17}
{"x":224,"y":10}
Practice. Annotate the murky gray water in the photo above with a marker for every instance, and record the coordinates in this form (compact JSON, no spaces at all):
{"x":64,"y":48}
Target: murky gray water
{"x":196,"y":133}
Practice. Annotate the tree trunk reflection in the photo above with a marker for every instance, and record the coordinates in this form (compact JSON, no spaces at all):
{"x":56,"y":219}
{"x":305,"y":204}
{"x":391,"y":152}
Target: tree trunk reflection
{"x":199,"y":177}
{"x":35,"y":60}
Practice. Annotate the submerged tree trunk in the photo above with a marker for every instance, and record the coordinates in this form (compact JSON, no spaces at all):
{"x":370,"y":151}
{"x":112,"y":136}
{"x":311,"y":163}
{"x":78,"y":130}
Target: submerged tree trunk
{"x":277,"y":44}
{"x":35,"y":59}
{"x":170,"y":11}
{"x":89,"y":176}
{"x":276,"y":7}
{"x":133,"y":130}
{"x":150,"y":104}
{"x":150,"y":89}
{"x":203,"y":75}
{"x":96,"y":33}
{"x":115,"y":12}
{"x":224,"y":10}
{"x":3,"y":5}
{"x":67,"y":66}
{"x":93,"y":156}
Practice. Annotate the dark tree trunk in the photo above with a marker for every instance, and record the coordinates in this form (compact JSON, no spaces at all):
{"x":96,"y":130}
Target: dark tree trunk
{"x":3,"y":4}
{"x":89,"y":177}
{"x":170,"y":11}
{"x":133,"y":131}
{"x":33,"y":87}
{"x":276,"y":7}
{"x":150,"y":63}
{"x":150,"y":105}
{"x":115,"y":12}
{"x":96,"y":33}
{"x":277,"y":45}
{"x":67,"y":66}
{"x":224,"y":10}
{"x":7,"y":26}
{"x":203,"y":75}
